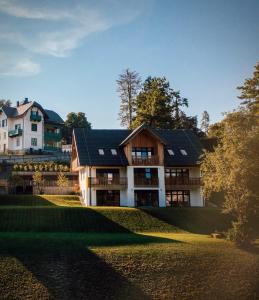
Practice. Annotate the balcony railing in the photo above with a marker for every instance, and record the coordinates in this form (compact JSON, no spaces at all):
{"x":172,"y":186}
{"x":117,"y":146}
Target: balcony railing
{"x":145,"y":182}
{"x":53,"y":136}
{"x":107,"y":182}
{"x":184,"y":181}
{"x":145,"y":161}
{"x":15,"y":132}
{"x":35,"y":118}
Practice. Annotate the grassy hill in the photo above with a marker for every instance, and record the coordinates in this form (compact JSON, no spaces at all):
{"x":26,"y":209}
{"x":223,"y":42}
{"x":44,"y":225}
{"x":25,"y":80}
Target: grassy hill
{"x":52,"y":248}
{"x":65,"y":214}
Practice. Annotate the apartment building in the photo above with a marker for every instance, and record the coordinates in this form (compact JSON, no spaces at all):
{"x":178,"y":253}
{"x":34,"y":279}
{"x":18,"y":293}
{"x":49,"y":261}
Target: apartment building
{"x":144,"y":167}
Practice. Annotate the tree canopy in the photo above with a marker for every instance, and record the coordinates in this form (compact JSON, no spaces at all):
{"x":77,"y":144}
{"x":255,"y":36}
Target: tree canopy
{"x":74,"y":120}
{"x":250,"y":92}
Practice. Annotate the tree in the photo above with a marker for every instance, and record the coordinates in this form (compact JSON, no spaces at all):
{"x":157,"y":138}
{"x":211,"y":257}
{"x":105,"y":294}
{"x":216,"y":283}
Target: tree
{"x":233,"y":168}
{"x":62,"y":180}
{"x":250,"y":92}
{"x":153,"y":105}
{"x":205,"y":121}
{"x":74,"y":120}
{"x":129,"y":84}
{"x":160,"y":106}
{"x":38,"y":181}
{"x":4,"y":102}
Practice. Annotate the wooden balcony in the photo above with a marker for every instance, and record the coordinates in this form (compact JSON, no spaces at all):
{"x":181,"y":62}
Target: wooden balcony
{"x":172,"y":182}
{"x":145,"y":161}
{"x":107,"y":182}
{"x":142,"y":181}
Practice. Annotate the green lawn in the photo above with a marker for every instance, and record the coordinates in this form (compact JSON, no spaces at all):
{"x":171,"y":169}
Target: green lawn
{"x":118,"y":253}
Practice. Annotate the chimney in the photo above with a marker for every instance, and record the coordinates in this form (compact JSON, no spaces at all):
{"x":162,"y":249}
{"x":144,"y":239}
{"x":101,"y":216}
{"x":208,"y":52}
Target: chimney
{"x":25,"y":100}
{"x":17,"y":103}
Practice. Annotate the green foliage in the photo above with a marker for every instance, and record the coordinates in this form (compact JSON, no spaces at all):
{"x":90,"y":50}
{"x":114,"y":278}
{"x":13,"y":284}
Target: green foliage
{"x":74,"y":120}
{"x":62,"y":180}
{"x":250,"y":92}
{"x":39,"y":181}
{"x":160,"y":106}
{"x":129,"y":84}
{"x":233,"y":167}
{"x":44,"y":166}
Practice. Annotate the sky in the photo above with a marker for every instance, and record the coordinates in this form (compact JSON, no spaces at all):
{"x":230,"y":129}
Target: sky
{"x":68,"y":54}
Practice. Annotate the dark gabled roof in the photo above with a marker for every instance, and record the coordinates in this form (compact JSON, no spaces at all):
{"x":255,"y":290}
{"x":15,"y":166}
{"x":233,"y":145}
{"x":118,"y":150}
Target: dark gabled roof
{"x":140,"y":129}
{"x":88,"y":141}
{"x":15,"y":112}
{"x":53,"y":117}
{"x":181,"y":139}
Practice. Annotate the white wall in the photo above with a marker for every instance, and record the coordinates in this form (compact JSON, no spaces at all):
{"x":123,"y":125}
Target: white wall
{"x":196,"y":197}
{"x":3,"y":133}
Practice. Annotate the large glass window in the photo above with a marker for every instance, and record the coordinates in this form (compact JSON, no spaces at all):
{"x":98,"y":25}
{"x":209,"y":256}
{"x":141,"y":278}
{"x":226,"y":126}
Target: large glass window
{"x":108,"y":197}
{"x":177,"y":198}
{"x":170,"y":172}
{"x":146,"y":198}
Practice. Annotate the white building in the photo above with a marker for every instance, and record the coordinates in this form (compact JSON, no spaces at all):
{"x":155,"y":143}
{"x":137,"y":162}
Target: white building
{"x":144,"y":167}
{"x":29,"y":128}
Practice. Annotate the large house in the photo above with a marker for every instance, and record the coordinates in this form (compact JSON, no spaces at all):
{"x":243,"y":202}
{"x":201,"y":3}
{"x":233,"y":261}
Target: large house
{"x":144,"y":167}
{"x":29,"y":127}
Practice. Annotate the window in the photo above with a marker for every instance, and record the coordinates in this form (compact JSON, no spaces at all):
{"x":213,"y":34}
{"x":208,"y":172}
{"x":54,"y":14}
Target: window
{"x":33,"y":141}
{"x":177,"y":198}
{"x":183,"y":152}
{"x":114,"y":151}
{"x":3,"y":123}
{"x":18,"y":142}
{"x":33,"y":127}
{"x":4,"y":135}
{"x":170,"y":151}
{"x":142,"y":152}
{"x":101,"y":151}
{"x":17,"y":126}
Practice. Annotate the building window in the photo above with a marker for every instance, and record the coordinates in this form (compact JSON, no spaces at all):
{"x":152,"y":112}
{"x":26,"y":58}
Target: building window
{"x":17,"y":126}
{"x":4,"y":135}
{"x":108,"y":197}
{"x":101,"y":151}
{"x":114,"y":151}
{"x":34,"y":127}
{"x":177,"y":198}
{"x":3,"y":123}
{"x":183,"y":152}
{"x":33,"y":141}
{"x":143,"y":152}
{"x":169,"y":172}
{"x":17,"y":142}
{"x":170,"y":151}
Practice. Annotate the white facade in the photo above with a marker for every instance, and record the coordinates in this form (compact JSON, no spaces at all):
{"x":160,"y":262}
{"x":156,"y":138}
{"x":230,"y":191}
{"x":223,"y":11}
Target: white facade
{"x":127,"y":192}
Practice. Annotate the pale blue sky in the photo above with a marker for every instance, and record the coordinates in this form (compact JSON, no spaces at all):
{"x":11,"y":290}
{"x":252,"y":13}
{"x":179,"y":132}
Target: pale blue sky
{"x":67,"y":54}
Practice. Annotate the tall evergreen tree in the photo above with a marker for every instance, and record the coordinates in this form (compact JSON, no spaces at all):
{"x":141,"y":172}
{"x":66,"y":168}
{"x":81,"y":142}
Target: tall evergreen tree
{"x":205,"y":122}
{"x":250,"y":92}
{"x":153,"y":105}
{"x":129,"y":84}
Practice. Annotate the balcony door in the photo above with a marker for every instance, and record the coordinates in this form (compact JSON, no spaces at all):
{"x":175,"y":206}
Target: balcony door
{"x":177,"y":198}
{"x":146,"y":198}
{"x":145,"y":177}
{"x":108,"y":176}
{"x":108,"y":198}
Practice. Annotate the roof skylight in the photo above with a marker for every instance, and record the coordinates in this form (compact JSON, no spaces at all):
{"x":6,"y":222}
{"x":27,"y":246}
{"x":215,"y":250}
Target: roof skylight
{"x":114,"y":151}
{"x":183,"y":152}
{"x":101,"y":151}
{"x":170,"y":151}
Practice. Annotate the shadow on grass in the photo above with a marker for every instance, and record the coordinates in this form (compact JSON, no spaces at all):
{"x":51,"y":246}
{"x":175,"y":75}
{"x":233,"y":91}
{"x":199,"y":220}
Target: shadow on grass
{"x":194,"y":220}
{"x":24,"y":200}
{"x":77,"y":274}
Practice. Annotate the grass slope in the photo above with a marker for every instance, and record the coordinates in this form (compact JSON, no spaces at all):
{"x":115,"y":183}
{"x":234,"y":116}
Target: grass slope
{"x":125,"y":266}
{"x":51,"y":248}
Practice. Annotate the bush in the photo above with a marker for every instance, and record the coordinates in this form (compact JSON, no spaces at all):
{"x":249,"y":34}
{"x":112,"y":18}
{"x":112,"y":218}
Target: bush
{"x":239,"y":233}
{"x":47,"y":166}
